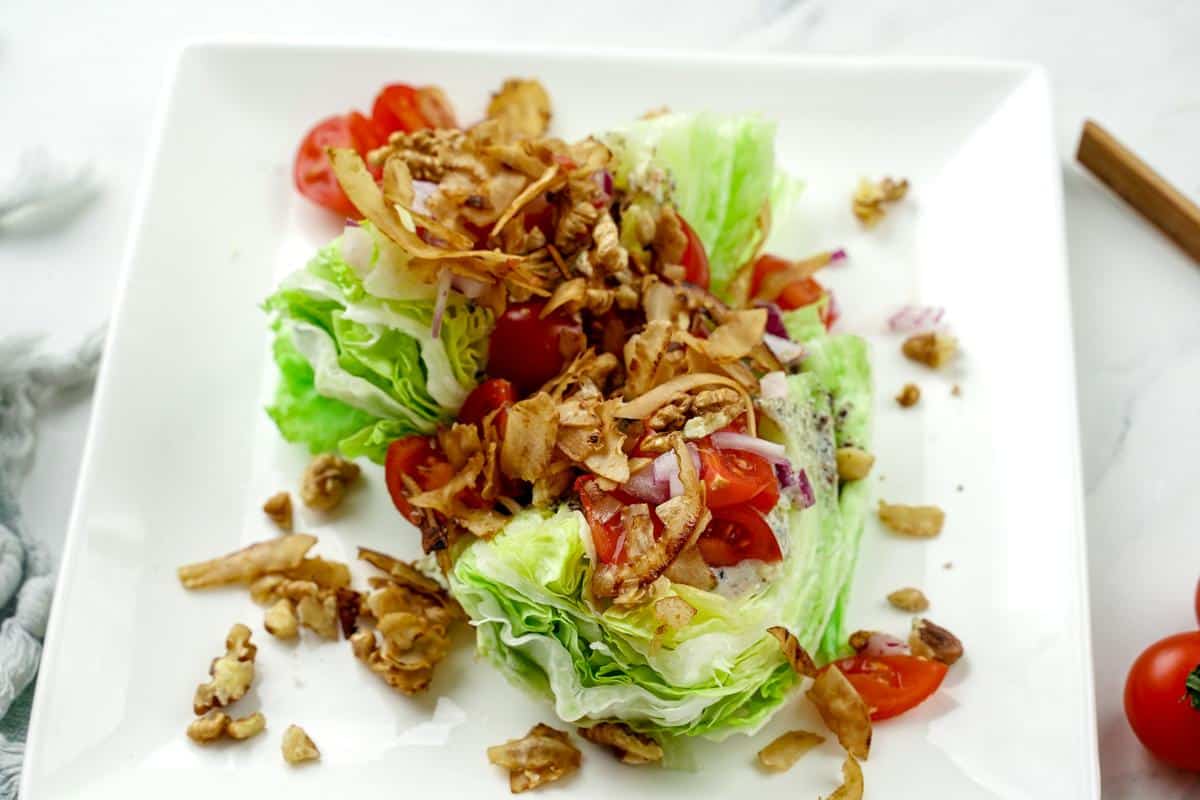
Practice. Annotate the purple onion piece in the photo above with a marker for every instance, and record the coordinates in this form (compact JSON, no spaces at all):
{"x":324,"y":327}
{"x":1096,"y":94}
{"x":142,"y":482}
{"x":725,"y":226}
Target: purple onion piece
{"x":775,"y":324}
{"x":795,"y":485}
{"x":351,"y":223}
{"x":838,"y":255}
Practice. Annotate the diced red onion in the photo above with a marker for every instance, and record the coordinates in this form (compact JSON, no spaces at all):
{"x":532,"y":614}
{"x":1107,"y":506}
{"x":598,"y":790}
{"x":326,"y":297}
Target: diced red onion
{"x":439,"y":305}
{"x":883,"y":644}
{"x":604,"y":182}
{"x":775,"y":324}
{"x":795,"y":485}
{"x":837,"y":255}
{"x":785,"y":349}
{"x":644,"y":486}
{"x":912,"y":318}
{"x":351,"y":223}
{"x":666,"y":469}
{"x":773,"y":386}
{"x":357,"y":247}
{"x":834,"y":310}
{"x":421,"y":192}
{"x":468,"y":286}
{"x":771,"y":451}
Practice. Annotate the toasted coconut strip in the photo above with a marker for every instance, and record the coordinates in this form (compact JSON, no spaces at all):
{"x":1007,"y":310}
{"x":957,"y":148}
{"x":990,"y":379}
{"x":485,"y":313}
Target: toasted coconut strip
{"x":796,"y":655}
{"x":326,"y":574}
{"x":690,"y":569}
{"x":249,"y":563}
{"x":670,"y":241}
{"x":737,"y":335}
{"x":529,"y":437}
{"x":526,"y":197}
{"x":683,"y":518}
{"x":445,"y":499}
{"x":775,"y":282}
{"x":645,"y":405}
{"x":569,"y":295}
{"x":541,"y":756}
{"x":786,"y":749}
{"x":922,"y":522}
{"x":647,"y":358}
{"x":523,"y":106}
{"x":843,"y":711}
{"x":610,"y":460}
{"x":673,"y":611}
{"x":626,"y":744}
{"x":852,"y":781}
{"x":397,"y":183}
{"x":402,"y":572}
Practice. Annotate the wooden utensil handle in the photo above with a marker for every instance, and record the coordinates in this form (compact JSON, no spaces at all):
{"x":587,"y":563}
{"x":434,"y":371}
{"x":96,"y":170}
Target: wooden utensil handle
{"x":1143,"y":188}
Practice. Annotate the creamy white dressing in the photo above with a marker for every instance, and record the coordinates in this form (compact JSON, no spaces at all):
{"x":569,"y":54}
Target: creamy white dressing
{"x":744,"y":578}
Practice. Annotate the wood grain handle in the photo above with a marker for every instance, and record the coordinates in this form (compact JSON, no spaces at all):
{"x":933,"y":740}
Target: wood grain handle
{"x":1143,"y":188}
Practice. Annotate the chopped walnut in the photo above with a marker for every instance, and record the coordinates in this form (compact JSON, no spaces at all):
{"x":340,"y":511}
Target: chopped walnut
{"x":231,"y":674}
{"x":932,"y":349}
{"x":279,"y":508}
{"x":627,"y":744}
{"x":870,"y":198}
{"x":325,"y":481}
{"x":934,"y":642}
{"x":923,"y":522}
{"x":280,"y":620}
{"x":319,"y":613}
{"x":909,"y":395}
{"x":297,"y":747}
{"x":541,"y":756}
{"x":854,"y":464}
{"x":246,"y":727}
{"x":908,"y":599}
{"x":208,"y":728}
{"x":956,"y":390}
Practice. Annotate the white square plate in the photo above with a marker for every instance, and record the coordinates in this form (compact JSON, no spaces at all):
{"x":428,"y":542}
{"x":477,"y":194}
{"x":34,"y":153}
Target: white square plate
{"x":180,"y":455}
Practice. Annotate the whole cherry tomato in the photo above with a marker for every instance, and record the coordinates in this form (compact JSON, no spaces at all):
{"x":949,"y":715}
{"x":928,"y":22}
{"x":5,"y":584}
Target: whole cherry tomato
{"x":1162,"y":699}
{"x":528,"y":350}
{"x":485,"y":398}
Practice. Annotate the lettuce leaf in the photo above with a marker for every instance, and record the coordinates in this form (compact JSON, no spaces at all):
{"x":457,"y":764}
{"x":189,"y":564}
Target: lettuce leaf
{"x":359,"y":366}
{"x":717,"y":169}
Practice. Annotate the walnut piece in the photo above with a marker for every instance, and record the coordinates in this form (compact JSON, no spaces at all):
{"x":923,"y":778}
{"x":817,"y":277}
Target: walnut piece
{"x":908,"y":599}
{"x":246,"y":727}
{"x":934,"y":642}
{"x":870,"y":198}
{"x":523,"y":106}
{"x":909,"y":395}
{"x":923,"y":522}
{"x":326,"y":480}
{"x":280,"y":620}
{"x":854,"y":464}
{"x":626,"y":744}
{"x":539,"y":757}
{"x":208,"y":728}
{"x":279,"y":508}
{"x":785,"y":750}
{"x":932,"y":349}
{"x":319,"y":613}
{"x":231,"y":673}
{"x":297,"y":747}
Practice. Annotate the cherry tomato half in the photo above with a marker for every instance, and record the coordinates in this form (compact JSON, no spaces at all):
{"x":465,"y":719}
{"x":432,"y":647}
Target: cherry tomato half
{"x":735,"y":534}
{"x":796,"y":294}
{"x":400,"y":107}
{"x":485,"y":398}
{"x":733,"y":477}
{"x":528,"y":350}
{"x":416,"y":457}
{"x":312,"y":172}
{"x":694,"y":259}
{"x":1163,"y":710}
{"x":891,"y":685}
{"x":603,"y":514}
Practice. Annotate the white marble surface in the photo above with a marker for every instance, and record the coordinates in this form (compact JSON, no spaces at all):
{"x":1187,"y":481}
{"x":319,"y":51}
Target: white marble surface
{"x":83,"y":79}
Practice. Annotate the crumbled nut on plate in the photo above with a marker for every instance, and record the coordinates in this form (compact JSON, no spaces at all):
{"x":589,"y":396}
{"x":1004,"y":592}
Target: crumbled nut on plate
{"x":796,"y":655}
{"x":627,"y":744}
{"x":908,"y":599}
{"x":246,"y":727}
{"x":931,"y":641}
{"x":326,"y":480}
{"x":932,"y":349}
{"x":909,"y":395}
{"x":297,"y":747}
{"x":843,"y":710}
{"x":280,"y":620}
{"x":208,"y":728}
{"x":541,"y":756}
{"x":854,"y":464}
{"x":923,"y":522}
{"x":231,"y":674}
{"x":279,"y":508}
{"x":852,"y":781}
{"x":786,"y":749}
{"x":956,"y":390}
{"x":870,"y":197}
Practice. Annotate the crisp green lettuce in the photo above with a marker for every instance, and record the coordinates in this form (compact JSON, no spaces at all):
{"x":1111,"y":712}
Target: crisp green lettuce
{"x":717,"y":169}
{"x":359,"y":366}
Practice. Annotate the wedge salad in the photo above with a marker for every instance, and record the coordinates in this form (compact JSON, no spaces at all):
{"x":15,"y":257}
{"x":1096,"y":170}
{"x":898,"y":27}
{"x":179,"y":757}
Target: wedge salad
{"x":625,"y":436}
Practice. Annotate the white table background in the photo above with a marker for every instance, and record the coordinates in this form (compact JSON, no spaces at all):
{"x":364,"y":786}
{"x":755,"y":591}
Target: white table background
{"x":82,"y":80}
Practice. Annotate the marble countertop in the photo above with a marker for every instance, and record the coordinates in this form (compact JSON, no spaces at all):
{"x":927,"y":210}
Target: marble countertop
{"x":82,"y":80}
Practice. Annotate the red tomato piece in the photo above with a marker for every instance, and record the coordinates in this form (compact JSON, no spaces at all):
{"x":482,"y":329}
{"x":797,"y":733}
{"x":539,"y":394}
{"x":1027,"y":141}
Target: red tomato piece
{"x":796,"y":294}
{"x":486,"y":398}
{"x":1162,"y":699}
{"x":400,"y":107}
{"x":603,"y":513}
{"x":415,"y":457}
{"x":435,"y":107}
{"x":891,"y":685}
{"x":733,"y":477}
{"x":1198,"y":601}
{"x":735,"y":534}
{"x":694,"y":259}
{"x":528,"y":350}
{"x":312,"y":172}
